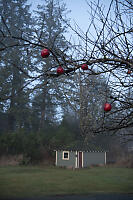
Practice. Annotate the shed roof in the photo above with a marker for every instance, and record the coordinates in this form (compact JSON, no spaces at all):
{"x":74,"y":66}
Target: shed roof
{"x":82,"y":147}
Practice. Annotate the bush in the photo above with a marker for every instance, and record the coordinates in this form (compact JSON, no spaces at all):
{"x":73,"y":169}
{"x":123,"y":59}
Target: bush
{"x":125,"y":161}
{"x":11,"y":143}
{"x":11,"y":160}
{"x":25,"y":161}
{"x":31,"y":145}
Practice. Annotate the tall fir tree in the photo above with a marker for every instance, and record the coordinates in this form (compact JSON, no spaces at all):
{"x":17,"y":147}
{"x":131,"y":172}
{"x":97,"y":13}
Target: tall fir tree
{"x":50,"y":30}
{"x":15,"y":21}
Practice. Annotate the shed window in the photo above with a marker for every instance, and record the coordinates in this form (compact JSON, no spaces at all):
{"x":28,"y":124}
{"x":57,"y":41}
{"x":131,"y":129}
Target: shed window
{"x":65,"y":155}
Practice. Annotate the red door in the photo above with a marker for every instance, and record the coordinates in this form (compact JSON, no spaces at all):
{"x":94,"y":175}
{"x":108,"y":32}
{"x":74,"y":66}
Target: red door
{"x":80,"y":159}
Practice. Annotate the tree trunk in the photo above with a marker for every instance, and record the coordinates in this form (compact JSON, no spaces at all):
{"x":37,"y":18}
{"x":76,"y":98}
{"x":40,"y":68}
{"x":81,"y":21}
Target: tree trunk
{"x":43,"y":108}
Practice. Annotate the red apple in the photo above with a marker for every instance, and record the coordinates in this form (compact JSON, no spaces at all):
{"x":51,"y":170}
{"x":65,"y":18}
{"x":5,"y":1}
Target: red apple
{"x":107,"y":107}
{"x":129,"y":72}
{"x":60,"y":70}
{"x":84,"y":67}
{"x":45,"y":53}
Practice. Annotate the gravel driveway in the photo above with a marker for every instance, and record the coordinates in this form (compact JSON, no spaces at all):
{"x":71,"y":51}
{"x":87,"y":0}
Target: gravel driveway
{"x":81,"y":197}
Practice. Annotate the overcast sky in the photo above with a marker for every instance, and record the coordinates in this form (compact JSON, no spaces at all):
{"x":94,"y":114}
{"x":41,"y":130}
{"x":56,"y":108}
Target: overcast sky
{"x":78,"y":10}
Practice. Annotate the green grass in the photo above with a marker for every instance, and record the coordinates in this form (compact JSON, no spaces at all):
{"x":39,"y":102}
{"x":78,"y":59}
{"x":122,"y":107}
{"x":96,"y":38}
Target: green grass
{"x":39,"y":181}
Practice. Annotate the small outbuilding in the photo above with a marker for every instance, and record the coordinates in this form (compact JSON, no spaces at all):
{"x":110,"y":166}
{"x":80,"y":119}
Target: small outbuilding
{"x":80,"y":157}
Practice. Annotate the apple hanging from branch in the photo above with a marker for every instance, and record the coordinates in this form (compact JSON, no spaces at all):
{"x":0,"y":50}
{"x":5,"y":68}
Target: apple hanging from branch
{"x":45,"y":53}
{"x":107,"y":107}
{"x":128,"y":72}
{"x":60,"y":70}
{"x":84,"y":67}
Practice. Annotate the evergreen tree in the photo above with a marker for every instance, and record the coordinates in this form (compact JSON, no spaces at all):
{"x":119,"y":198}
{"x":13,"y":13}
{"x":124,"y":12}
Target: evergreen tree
{"x":15,"y":21}
{"x":50,"y":32}
{"x":85,"y":96}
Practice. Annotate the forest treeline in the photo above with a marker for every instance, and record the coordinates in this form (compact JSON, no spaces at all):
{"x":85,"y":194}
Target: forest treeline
{"x":39,"y":114}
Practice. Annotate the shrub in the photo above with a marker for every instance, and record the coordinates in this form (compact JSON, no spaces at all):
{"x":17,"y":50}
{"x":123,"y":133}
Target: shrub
{"x":125,"y":161}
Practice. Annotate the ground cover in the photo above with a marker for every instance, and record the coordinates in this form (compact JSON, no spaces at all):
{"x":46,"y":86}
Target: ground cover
{"x":36,"y":181}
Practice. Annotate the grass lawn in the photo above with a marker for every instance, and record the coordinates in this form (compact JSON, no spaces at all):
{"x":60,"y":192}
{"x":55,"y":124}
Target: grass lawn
{"x":39,"y":181}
